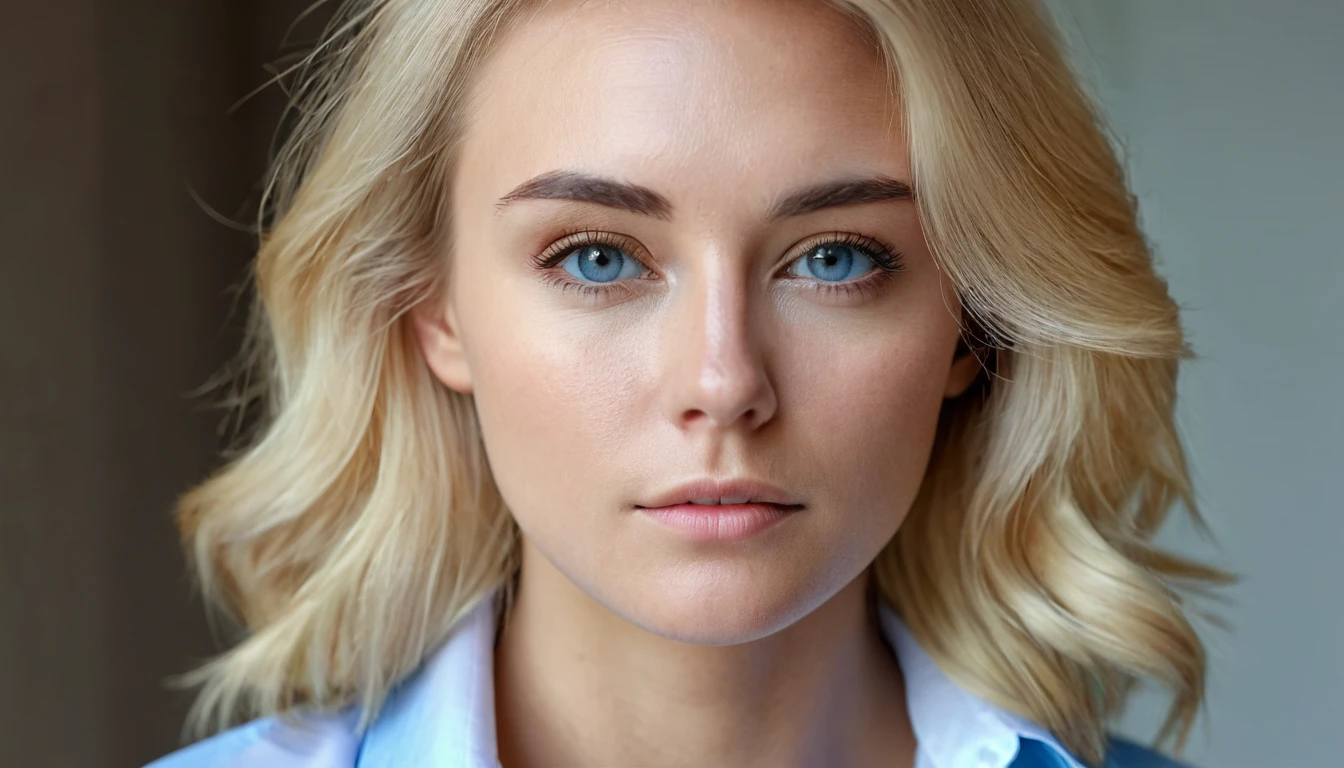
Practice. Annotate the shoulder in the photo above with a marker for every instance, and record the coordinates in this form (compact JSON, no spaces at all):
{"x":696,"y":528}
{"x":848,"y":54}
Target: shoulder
{"x":314,"y":741}
{"x":1126,"y":754}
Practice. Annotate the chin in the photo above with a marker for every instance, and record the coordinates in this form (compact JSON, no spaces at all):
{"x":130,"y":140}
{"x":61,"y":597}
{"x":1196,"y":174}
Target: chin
{"x":718,"y":605}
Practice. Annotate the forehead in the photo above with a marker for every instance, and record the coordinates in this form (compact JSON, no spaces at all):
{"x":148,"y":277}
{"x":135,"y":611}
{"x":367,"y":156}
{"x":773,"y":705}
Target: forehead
{"x":662,"y":93}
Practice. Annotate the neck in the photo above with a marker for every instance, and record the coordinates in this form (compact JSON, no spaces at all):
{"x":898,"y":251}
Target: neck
{"x":577,"y":685}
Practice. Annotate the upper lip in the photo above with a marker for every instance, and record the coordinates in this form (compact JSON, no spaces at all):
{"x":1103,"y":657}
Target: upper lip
{"x":754,"y":491}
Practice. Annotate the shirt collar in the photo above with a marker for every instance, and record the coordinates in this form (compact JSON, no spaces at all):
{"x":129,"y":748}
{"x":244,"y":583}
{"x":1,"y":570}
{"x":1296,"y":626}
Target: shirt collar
{"x":953,"y":726}
{"x":444,"y":715}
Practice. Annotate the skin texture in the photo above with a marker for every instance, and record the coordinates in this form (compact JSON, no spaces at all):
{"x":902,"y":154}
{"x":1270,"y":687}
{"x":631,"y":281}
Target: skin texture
{"x":631,"y":644}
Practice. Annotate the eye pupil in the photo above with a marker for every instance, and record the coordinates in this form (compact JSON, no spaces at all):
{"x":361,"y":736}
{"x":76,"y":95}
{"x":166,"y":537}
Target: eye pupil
{"x":831,"y":262}
{"x":600,"y":263}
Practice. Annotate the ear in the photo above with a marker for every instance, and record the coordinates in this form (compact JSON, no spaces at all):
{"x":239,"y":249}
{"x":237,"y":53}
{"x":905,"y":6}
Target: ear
{"x":967,"y":362}
{"x":966,"y":366}
{"x":434,"y":323}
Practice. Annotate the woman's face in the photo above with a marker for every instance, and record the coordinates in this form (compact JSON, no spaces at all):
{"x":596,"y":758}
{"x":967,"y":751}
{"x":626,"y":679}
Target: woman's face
{"x":670,"y":265}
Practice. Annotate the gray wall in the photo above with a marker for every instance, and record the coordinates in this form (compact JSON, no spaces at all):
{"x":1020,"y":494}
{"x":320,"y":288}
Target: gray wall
{"x":1232,"y":116}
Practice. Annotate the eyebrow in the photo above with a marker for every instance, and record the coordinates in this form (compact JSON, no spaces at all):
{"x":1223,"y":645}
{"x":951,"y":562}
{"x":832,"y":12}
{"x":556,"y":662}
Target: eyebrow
{"x":573,"y":185}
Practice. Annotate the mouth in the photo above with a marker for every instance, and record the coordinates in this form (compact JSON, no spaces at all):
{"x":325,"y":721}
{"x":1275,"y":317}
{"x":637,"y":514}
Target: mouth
{"x":715,"y":510}
{"x":710,"y":492}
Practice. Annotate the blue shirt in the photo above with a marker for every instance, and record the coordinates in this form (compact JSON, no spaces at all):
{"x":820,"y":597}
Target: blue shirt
{"x":443,"y":716}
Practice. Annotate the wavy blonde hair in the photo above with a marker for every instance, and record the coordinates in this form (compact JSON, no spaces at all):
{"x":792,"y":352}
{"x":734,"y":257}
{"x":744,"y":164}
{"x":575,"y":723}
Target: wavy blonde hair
{"x":360,"y":522}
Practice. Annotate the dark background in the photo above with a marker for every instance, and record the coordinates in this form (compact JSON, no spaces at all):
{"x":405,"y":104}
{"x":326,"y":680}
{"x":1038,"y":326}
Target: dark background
{"x":114,"y":295}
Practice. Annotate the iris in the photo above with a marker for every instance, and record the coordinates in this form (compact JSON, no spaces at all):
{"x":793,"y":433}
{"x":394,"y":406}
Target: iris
{"x":834,"y":263}
{"x":599,"y":263}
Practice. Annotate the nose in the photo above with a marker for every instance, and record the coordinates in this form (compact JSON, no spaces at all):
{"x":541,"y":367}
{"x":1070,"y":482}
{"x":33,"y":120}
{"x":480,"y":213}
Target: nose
{"x":714,"y":368}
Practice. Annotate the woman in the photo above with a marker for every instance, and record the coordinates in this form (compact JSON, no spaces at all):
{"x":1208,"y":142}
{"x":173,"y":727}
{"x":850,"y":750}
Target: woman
{"x":657,"y":383}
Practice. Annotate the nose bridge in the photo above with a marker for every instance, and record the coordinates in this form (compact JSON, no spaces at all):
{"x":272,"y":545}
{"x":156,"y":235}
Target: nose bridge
{"x":715,"y":363}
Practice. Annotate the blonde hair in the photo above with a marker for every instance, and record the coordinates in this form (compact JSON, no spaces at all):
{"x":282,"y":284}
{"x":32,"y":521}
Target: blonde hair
{"x":361,"y":522}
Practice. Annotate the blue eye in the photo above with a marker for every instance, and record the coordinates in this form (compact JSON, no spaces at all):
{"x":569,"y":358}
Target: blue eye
{"x":833,"y":263}
{"x":598,"y":263}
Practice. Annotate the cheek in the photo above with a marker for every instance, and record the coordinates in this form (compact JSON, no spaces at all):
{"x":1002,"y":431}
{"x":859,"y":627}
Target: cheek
{"x":557,"y":398}
{"x":866,"y":409}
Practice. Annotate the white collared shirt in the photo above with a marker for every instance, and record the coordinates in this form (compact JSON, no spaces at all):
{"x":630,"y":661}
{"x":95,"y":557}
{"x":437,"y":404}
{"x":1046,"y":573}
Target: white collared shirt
{"x":443,"y":716}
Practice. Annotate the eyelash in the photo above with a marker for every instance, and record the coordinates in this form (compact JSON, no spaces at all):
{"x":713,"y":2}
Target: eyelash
{"x":888,"y":260}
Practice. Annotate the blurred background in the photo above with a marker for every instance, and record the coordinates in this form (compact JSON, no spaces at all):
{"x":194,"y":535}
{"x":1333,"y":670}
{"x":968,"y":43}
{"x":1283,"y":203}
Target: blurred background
{"x":116,"y":138}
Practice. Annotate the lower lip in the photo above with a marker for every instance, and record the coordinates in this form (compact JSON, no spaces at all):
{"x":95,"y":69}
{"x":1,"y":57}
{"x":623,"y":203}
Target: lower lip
{"x":720,"y":522}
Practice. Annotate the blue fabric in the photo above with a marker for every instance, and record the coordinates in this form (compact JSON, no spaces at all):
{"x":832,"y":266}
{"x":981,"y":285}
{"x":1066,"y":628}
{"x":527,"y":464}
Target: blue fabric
{"x":1034,"y":754}
{"x":321,"y":741}
{"x":1127,"y":754}
{"x":1122,"y":754}
{"x":220,"y":749}
{"x":254,"y":745}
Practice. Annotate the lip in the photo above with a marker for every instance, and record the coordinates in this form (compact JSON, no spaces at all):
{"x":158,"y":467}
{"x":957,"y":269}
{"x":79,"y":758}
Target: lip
{"x":720,"y":522}
{"x":753,"y":491}
{"x":755,"y":507}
